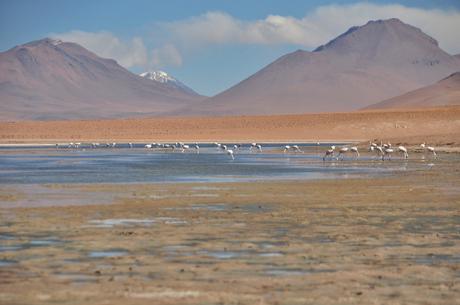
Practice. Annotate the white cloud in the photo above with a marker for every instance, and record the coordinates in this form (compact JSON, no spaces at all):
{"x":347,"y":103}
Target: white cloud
{"x":105,"y":44}
{"x":316,"y":28}
{"x":173,"y":41}
{"x":167,"y":55}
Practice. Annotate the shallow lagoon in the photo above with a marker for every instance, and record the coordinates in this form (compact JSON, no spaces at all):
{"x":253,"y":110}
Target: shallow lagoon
{"x":261,"y":227}
{"x":139,"y":165}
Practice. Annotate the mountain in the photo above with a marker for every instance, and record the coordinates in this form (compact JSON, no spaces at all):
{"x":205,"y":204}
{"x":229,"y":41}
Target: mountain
{"x":51,"y":79}
{"x":165,"y":78}
{"x":364,"y":65}
{"x":445,"y":92}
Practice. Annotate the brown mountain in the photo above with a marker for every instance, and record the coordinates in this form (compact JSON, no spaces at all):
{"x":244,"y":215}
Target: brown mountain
{"x":364,"y":65}
{"x":50,"y":79}
{"x":446,"y":92}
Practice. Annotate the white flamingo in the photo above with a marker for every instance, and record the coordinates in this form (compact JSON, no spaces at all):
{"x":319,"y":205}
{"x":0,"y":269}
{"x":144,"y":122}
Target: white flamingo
{"x":148,"y":146}
{"x":184,"y":147}
{"x":342,"y":152}
{"x":429,"y":148}
{"x":354,"y":150}
{"x":130,"y":145}
{"x":387,"y":152}
{"x":403,"y":151}
{"x":329,"y":153}
{"x":377,"y":149}
{"x":286,"y":148}
{"x":230,"y":153}
{"x":197,"y":148}
{"x":296,"y":148}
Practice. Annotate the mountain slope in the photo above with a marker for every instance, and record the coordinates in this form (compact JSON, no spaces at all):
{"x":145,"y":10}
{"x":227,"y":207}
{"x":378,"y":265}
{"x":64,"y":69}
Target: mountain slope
{"x":446,"y":92}
{"x":364,"y":65}
{"x":51,"y":79}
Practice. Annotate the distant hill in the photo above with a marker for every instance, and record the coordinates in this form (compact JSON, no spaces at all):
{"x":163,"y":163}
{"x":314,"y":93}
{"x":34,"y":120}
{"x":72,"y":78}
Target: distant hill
{"x":51,"y":79}
{"x":364,"y":65}
{"x":446,"y":92}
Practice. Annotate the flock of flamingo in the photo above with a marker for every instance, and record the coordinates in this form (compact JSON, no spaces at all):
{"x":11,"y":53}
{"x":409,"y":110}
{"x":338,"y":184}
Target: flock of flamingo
{"x":384,"y":150}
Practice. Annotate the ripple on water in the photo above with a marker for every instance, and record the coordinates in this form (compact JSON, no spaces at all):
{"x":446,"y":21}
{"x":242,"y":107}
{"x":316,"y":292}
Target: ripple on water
{"x":76,"y":277}
{"x":7,"y":262}
{"x":132,"y":222}
{"x":107,"y":253}
{"x":294,"y":271}
{"x":224,"y":254}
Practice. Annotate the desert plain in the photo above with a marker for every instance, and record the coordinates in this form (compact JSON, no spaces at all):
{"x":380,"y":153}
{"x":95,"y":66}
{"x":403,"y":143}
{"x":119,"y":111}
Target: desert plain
{"x":390,"y":237}
{"x":440,"y":126}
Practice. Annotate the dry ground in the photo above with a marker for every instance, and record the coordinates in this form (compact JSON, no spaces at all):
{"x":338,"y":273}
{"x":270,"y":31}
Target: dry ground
{"x":437,"y":126}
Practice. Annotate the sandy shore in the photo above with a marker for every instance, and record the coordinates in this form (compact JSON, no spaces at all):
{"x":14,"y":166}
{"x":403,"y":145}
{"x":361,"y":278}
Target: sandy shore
{"x":439,"y":126}
{"x":389,"y":240}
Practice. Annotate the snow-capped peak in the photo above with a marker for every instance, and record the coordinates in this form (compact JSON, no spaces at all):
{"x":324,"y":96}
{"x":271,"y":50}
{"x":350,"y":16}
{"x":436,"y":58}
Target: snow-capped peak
{"x":165,"y":78}
{"x":159,"y":76}
{"x":55,"y":42}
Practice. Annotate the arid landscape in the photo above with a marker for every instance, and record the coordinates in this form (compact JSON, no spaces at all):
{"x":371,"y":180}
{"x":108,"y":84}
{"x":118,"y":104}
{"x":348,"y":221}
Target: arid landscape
{"x":301,"y":154}
{"x":440,"y":126}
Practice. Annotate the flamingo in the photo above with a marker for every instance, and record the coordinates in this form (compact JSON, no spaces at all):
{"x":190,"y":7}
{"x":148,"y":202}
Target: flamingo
{"x":296,"y":148}
{"x":185,"y":147}
{"x":387,"y":152}
{"x":230,"y":153}
{"x":387,"y":145}
{"x":354,"y":150}
{"x":286,"y":148}
{"x":148,"y":146}
{"x":342,"y":152}
{"x":429,"y":148}
{"x":259,"y":147}
{"x":403,"y":151}
{"x":377,"y":149}
{"x":130,"y":145}
{"x":329,"y":153}
{"x":197,"y":148}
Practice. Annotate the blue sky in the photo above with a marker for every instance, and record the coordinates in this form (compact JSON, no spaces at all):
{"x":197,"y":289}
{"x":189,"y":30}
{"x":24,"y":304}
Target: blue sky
{"x":211,"y":45}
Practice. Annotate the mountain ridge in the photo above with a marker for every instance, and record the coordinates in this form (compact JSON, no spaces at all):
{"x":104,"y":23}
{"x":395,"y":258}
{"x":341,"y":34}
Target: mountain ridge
{"x":364,"y":65}
{"x":445,"y":92}
{"x":51,"y":79}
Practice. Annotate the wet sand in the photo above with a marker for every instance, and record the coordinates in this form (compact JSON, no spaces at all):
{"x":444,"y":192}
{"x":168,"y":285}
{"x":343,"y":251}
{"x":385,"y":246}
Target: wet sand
{"x":393,"y":239}
{"x":437,"y":126}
